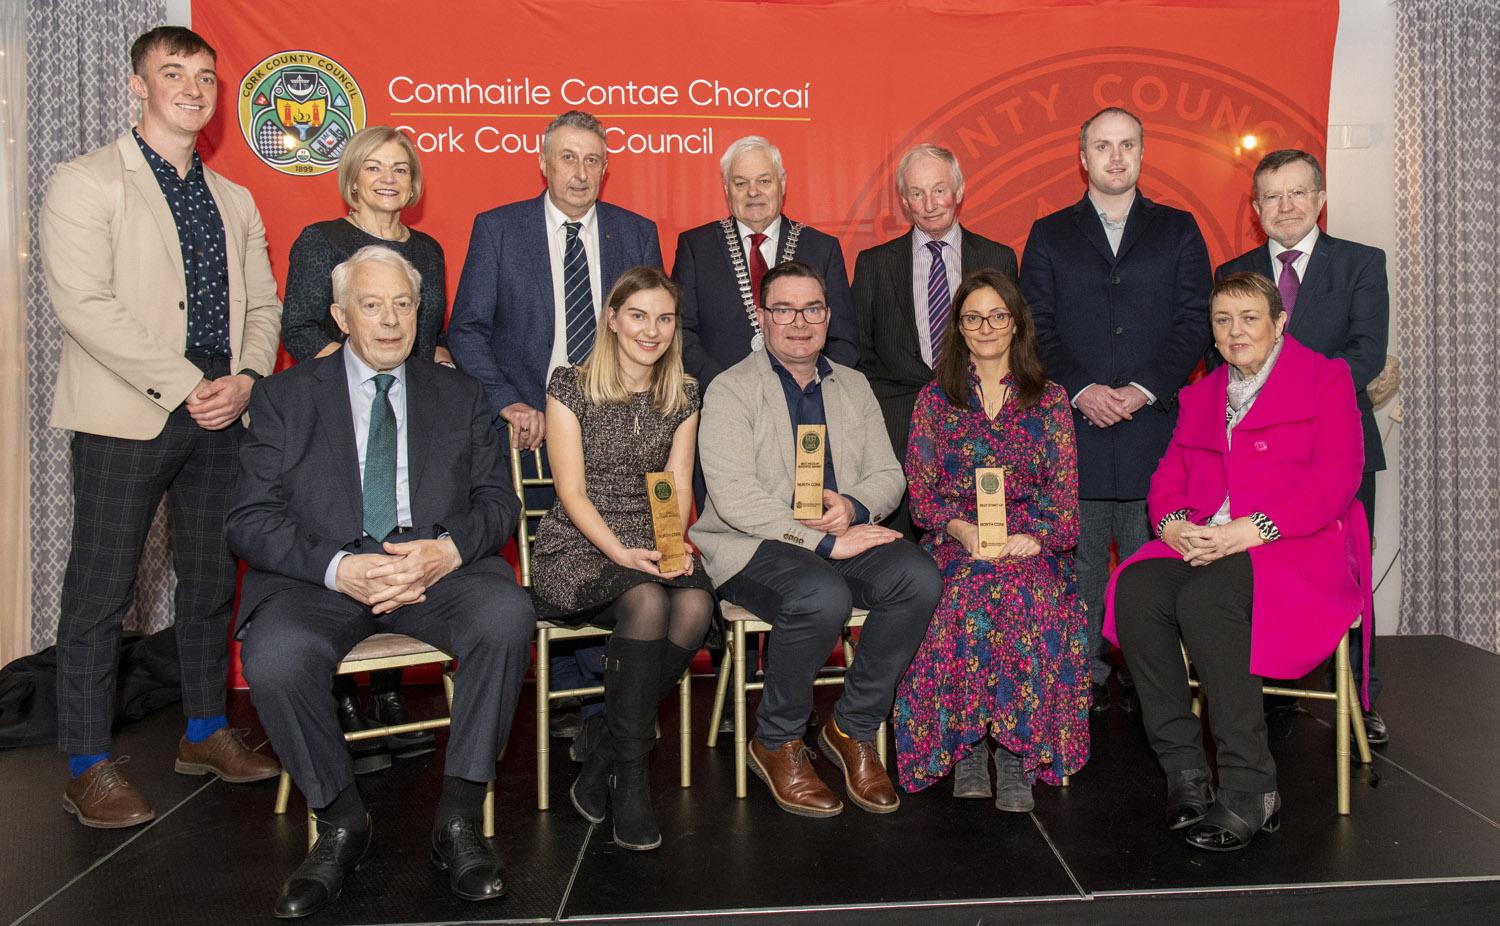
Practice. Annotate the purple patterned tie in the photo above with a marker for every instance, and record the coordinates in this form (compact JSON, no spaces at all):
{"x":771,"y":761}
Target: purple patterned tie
{"x":1288,"y":284}
{"x":939,"y":300}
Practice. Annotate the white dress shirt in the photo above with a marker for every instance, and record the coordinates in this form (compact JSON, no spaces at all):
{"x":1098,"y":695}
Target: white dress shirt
{"x":767,"y":247}
{"x":1300,"y":264}
{"x":361,"y":379}
{"x":921,"y":268}
{"x":557,"y":243}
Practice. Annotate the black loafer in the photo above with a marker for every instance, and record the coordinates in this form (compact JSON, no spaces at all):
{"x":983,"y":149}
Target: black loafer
{"x":1190,"y":793}
{"x":473,"y":866}
{"x":316,"y":883}
{"x":1375,"y":729}
{"x":1098,"y":698}
{"x":370,"y":755}
{"x":387,"y":709}
{"x":1234,"y":819}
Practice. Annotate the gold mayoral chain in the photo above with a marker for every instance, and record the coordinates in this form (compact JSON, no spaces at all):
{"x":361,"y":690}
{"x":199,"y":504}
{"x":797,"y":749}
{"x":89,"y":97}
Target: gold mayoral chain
{"x":742,"y":270}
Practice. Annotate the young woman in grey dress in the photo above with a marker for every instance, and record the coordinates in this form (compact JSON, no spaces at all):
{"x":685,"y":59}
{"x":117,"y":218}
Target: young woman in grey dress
{"x":626,"y":410}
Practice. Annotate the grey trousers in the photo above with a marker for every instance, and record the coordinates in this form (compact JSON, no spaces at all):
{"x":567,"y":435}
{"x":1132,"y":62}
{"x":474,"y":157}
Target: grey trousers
{"x":295,"y":639}
{"x":1101,"y":523}
{"x":807,"y":598}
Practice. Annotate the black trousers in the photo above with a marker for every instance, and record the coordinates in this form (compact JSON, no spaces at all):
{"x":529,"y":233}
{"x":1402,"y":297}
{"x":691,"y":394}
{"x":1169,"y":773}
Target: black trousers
{"x":1159,"y":602}
{"x":807,"y":599}
{"x":1366,"y":495}
{"x":295,"y":639}
{"x":117,"y":485}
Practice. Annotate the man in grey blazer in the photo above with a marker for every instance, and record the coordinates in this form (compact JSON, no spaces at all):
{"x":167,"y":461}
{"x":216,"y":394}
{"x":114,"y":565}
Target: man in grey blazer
{"x":802,"y":576}
{"x":157,"y":270}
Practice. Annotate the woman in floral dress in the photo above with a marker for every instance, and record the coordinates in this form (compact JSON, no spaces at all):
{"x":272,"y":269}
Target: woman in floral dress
{"x":1004,"y":658}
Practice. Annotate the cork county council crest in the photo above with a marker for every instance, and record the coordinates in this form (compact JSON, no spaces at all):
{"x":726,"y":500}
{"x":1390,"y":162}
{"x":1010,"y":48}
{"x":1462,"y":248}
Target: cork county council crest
{"x":298,"y":109}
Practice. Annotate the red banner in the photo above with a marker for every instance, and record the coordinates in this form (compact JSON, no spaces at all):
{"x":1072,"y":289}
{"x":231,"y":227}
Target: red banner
{"x":841,"y":86}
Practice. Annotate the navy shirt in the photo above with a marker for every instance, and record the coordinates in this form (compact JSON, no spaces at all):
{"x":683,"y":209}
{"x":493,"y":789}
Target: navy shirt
{"x":805,"y":406}
{"x":205,"y":264}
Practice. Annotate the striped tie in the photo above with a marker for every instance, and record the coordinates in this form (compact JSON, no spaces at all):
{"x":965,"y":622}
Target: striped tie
{"x":578,"y":296}
{"x":380,"y":462}
{"x":939,"y":300}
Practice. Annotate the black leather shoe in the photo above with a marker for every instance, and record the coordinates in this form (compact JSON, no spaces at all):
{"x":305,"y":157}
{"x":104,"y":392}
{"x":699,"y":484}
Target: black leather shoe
{"x":1375,"y":729}
{"x":316,"y":883}
{"x":1235,"y":818}
{"x":1189,"y":794}
{"x":1099,"y":698}
{"x":387,"y":709}
{"x":473,"y":866}
{"x":370,"y":755}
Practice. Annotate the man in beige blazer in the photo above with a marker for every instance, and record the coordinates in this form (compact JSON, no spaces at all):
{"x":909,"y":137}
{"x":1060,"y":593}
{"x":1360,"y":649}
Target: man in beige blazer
{"x":158,"y":272}
{"x":803,"y":575}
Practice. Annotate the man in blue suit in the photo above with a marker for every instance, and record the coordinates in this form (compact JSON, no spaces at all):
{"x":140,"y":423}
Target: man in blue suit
{"x":528,"y":301}
{"x":1338,"y":303}
{"x":1119,"y":288}
{"x":720,"y":265}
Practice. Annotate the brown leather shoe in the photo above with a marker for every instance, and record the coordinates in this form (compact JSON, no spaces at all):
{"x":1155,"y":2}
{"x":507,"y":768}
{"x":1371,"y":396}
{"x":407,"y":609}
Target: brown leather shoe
{"x":793,"y":781}
{"x":224,"y":754}
{"x":102,"y":798}
{"x":864,"y":777}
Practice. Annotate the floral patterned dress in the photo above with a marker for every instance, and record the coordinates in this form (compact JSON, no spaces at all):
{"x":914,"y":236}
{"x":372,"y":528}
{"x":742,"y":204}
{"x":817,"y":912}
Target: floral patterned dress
{"x":1005,"y":652}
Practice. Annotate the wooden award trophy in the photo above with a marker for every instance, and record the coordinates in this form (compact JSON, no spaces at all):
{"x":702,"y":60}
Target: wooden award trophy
{"x":807,"y":497}
{"x":666,"y":521}
{"x":989,"y":491}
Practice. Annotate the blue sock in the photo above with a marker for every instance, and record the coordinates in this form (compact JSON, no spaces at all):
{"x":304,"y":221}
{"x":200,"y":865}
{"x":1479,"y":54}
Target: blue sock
{"x":77,"y":765}
{"x":201,"y":728}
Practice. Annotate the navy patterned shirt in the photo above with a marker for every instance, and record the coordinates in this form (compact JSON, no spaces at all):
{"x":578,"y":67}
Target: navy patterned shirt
{"x":200,"y":232}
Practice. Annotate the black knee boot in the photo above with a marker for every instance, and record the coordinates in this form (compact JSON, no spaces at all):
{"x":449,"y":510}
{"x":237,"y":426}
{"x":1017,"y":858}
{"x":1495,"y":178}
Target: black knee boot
{"x":590,"y":791}
{"x":674,"y":661}
{"x":632,"y":670}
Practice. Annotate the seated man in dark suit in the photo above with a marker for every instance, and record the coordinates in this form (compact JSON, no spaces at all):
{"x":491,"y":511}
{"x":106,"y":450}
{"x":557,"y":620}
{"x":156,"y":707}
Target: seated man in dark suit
{"x":720,"y":266}
{"x":371,"y":498}
{"x":1337,"y":302}
{"x":903,"y":290}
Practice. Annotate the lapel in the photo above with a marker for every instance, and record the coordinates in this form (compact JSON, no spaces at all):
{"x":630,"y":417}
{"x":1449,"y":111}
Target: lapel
{"x":1289,"y":392}
{"x":898,"y":265}
{"x":774,"y":401}
{"x":1142,"y":211}
{"x":146,"y":187}
{"x":336,"y":429}
{"x":533,"y":235}
{"x":611,"y":258}
{"x":232,"y":255}
{"x":420,"y":391}
{"x":1317,"y":280}
{"x":786,"y":224}
{"x":1086,"y":219}
{"x":1206,"y":431}
{"x":837,"y":413}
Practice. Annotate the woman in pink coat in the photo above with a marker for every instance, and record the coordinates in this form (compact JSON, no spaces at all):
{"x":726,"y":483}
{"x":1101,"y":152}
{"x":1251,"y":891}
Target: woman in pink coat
{"x":1255,"y":569}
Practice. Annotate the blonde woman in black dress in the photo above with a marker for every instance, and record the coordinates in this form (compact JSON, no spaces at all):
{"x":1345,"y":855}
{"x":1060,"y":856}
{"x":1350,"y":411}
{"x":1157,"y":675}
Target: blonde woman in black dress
{"x":626,"y":410}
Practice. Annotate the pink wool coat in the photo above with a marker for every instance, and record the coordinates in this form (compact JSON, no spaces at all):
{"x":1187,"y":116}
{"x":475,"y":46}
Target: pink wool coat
{"x":1298,"y":456}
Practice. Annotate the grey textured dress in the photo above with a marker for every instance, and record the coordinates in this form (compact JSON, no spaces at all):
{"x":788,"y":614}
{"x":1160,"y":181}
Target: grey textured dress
{"x":571,"y":580}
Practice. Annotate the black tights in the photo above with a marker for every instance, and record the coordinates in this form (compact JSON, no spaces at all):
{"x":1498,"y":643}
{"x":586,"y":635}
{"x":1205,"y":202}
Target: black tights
{"x":651,"y":611}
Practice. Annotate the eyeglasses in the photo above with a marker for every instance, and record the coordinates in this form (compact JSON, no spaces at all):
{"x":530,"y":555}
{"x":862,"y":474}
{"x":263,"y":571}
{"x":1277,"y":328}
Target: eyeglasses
{"x":814,"y":314}
{"x":971,"y":321}
{"x":1297,"y":197}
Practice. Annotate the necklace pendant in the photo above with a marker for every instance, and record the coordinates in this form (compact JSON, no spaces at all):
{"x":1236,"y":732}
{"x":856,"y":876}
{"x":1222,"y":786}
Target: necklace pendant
{"x":757,"y":343}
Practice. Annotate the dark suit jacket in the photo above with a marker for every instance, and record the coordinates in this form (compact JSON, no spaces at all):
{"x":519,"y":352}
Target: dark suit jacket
{"x":1140,"y":316}
{"x":297,"y":499}
{"x":1343,"y":311}
{"x":715,"y":332}
{"x":890,"y":354}
{"x":502,"y":326}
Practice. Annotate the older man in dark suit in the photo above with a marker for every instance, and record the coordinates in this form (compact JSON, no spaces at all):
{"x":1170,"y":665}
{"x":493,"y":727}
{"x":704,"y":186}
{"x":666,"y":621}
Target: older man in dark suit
{"x":371,"y":498}
{"x":720,"y":265}
{"x":903,"y":289}
{"x":528,"y":302}
{"x":1337,"y":302}
{"x":1119,"y":288}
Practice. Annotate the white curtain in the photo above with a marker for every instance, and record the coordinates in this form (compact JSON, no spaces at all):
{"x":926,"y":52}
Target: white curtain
{"x":1447,"y":204}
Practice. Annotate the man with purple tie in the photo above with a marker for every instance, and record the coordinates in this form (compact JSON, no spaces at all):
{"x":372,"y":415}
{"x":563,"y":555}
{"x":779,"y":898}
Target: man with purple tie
{"x":1337,"y":302}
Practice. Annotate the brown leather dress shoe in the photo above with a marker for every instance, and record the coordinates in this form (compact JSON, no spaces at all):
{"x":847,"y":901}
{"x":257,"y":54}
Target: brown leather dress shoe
{"x":224,"y":754}
{"x":865,"y":779}
{"x":102,"y":798}
{"x":793,"y":781}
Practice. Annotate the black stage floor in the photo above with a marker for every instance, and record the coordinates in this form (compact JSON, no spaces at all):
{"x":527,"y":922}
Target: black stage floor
{"x":1423,"y":844}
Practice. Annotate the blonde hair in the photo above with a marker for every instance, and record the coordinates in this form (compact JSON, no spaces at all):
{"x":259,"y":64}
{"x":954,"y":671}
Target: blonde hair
{"x":599,"y":375}
{"x":361,"y":145}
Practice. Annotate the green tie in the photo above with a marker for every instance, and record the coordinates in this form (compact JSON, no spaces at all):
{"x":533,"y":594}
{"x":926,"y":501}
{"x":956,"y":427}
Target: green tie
{"x":380,"y":462}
